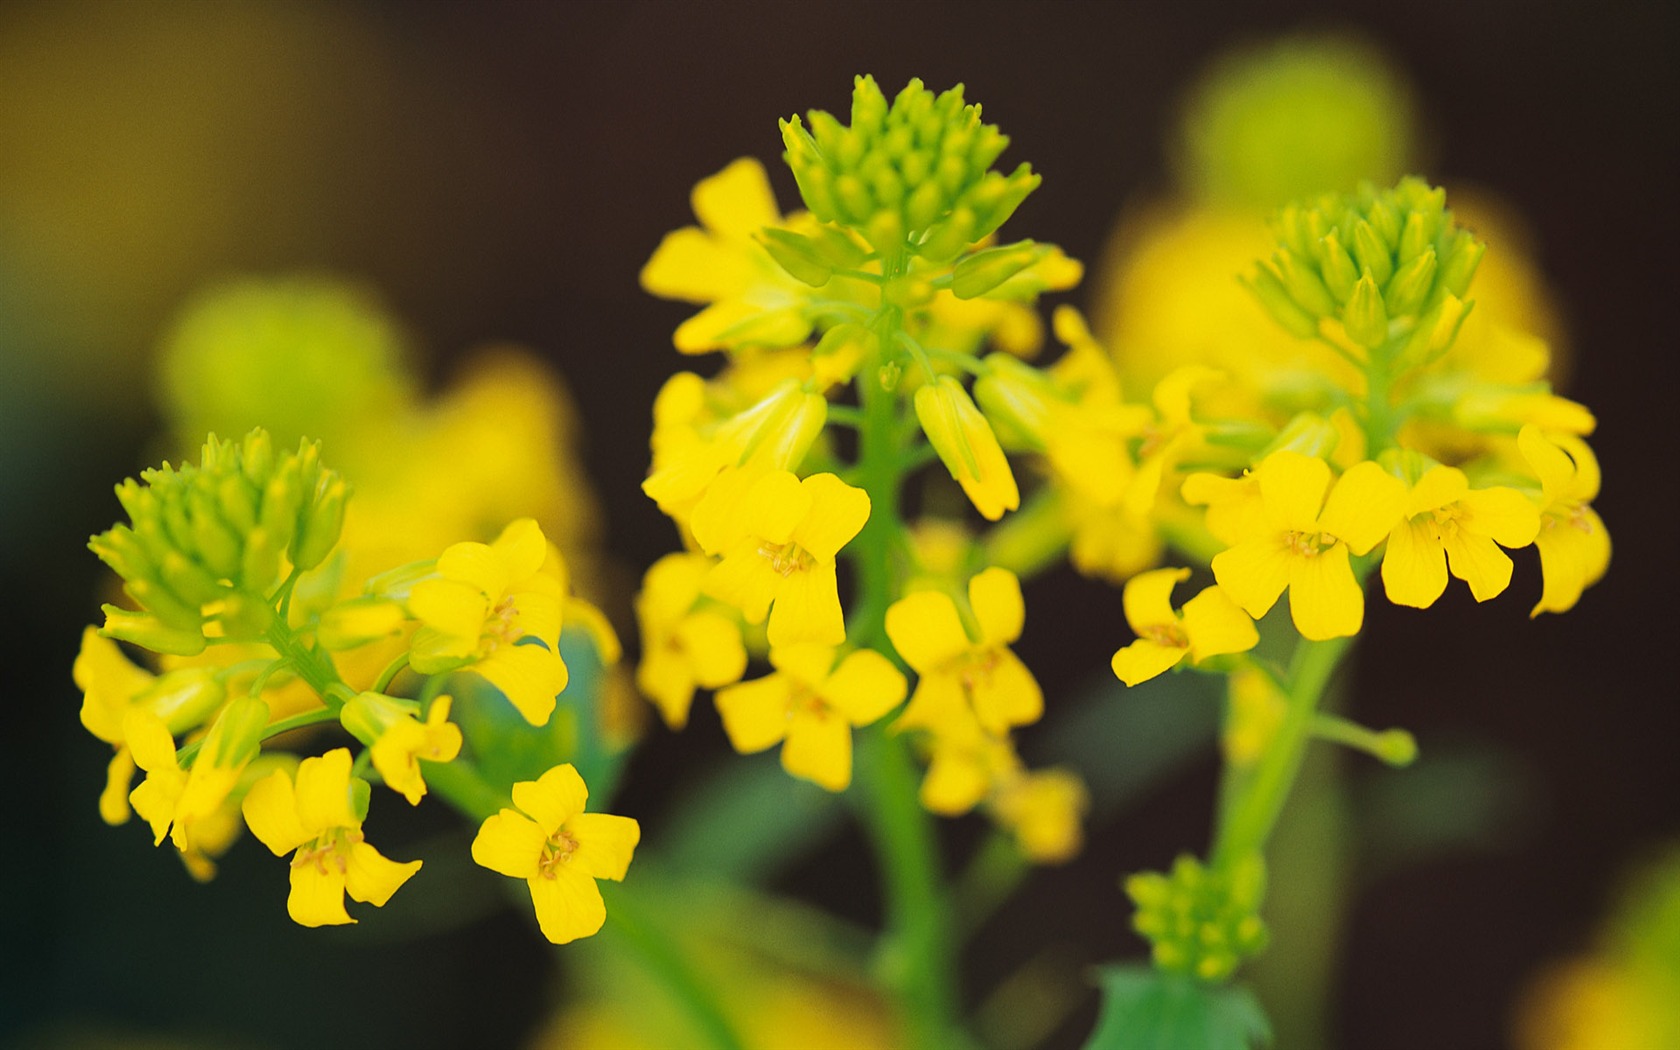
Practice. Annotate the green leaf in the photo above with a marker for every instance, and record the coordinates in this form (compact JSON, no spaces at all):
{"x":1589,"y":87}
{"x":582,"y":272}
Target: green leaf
{"x":1146,"y":1010}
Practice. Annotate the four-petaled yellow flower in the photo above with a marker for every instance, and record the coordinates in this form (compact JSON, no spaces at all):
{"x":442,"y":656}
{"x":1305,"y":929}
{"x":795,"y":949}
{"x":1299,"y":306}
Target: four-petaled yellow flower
{"x":320,"y":816}
{"x":183,"y":802}
{"x":559,"y":850}
{"x":687,"y":641}
{"x":1043,"y":810}
{"x":407,"y":740}
{"x":813,"y":705}
{"x":1302,"y":541}
{"x":1448,"y":524}
{"x":481,"y":609}
{"x":962,"y":677}
{"x":1211,"y":625}
{"x":1574,"y":545}
{"x":778,"y":537}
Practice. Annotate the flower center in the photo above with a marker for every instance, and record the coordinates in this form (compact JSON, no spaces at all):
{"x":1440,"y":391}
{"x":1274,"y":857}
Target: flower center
{"x":501,"y":626}
{"x":331,"y":847}
{"x":1307,"y":544}
{"x":556,"y":851}
{"x":1170,"y":635}
{"x":785,"y":558}
{"x":977,"y":671}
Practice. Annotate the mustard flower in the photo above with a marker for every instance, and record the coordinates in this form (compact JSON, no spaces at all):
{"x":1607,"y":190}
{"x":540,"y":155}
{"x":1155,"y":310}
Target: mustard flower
{"x":778,"y":537}
{"x":1211,"y":624}
{"x":1574,"y":545}
{"x":176,"y":801}
{"x":812,"y":705}
{"x":1042,"y":810}
{"x":687,"y":642}
{"x":319,"y":814}
{"x":1302,"y":542}
{"x":962,"y":676}
{"x":967,"y":446}
{"x":1448,"y":524}
{"x":965,"y":763}
{"x":559,"y":850}
{"x":398,"y":740}
{"x":484,"y":604}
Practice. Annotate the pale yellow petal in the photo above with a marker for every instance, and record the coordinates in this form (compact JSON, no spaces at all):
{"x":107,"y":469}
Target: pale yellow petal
{"x":371,"y":878}
{"x":1414,"y":567}
{"x":1144,"y":659}
{"x":1216,"y":625}
{"x":836,"y":513}
{"x":553,"y":798}
{"x":1365,"y":506}
{"x":865,"y":687}
{"x":568,"y":905}
{"x":1292,"y":487}
{"x":1148,"y":598}
{"x":530,"y":676}
{"x":1324,"y":599}
{"x":755,"y":714}
{"x":819,"y":748}
{"x":995,"y":597}
{"x":925,"y":629}
{"x":1255,"y":572}
{"x":510,"y":844}
{"x":270,"y":810}
{"x":317,"y":897}
{"x":1478,"y":561}
{"x":605,"y":844}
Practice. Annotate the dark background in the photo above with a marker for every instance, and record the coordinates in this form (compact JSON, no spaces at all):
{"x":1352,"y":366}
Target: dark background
{"x":501,"y":172}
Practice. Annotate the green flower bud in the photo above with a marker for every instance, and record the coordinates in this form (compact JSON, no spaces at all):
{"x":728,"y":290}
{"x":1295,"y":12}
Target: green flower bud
{"x":184,"y":698}
{"x":983,"y":271}
{"x":1275,"y":299}
{"x":149,"y":632}
{"x":1200,"y":921}
{"x":1337,"y":268}
{"x":366,"y":716}
{"x":1017,"y":398}
{"x":1364,"y":316}
{"x":796,"y":254}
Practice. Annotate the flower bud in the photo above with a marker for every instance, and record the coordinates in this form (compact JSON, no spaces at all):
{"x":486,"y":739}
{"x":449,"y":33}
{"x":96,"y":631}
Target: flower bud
{"x":983,"y":271}
{"x":967,"y":446}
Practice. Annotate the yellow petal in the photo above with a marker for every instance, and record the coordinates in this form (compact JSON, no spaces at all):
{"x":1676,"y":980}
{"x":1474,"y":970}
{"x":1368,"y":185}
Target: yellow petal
{"x":1292,"y":487}
{"x":805,"y":664}
{"x":521,"y":549}
{"x":819,"y":748}
{"x":1479,"y":562}
{"x":667,"y":679}
{"x":955,"y":783}
{"x":1324,"y":599}
{"x":323,"y":792}
{"x":864,"y":687}
{"x":745,"y":580}
{"x":109,"y":682}
{"x":454,"y":610}
{"x":317,"y":897}
{"x":714,"y":648}
{"x":371,"y":878}
{"x":925,"y":629}
{"x":691,"y":265}
{"x":1148,"y":598}
{"x":1007,"y":696}
{"x":270,"y":810}
{"x":113,"y":801}
{"x":149,"y":740}
{"x":995,"y":597}
{"x":669,"y":589}
{"x":605,"y":844}
{"x":937,"y":704}
{"x":1504,"y":514}
{"x":1438,"y":487}
{"x":553,"y":798}
{"x":568,"y":905}
{"x":736,"y":202}
{"x":529,"y":676}
{"x":1550,"y":463}
{"x":837,"y":513}
{"x":510,"y":844}
{"x":536,"y":615}
{"x":1585,"y":485}
{"x":1364,"y":506}
{"x":1254,"y":572}
{"x":775,"y":505}
{"x":755,"y":714}
{"x":807,"y":608}
{"x":1216,"y":625}
{"x":1414,"y":568}
{"x":1144,"y":659}
{"x":475,"y":565}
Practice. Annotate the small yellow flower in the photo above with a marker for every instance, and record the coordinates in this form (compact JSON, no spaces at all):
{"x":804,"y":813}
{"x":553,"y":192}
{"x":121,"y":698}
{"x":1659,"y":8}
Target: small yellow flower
{"x":1210,"y":625}
{"x":485,"y":601}
{"x":1043,"y":811}
{"x":963,"y":677}
{"x":319,"y":814}
{"x":779,"y":537}
{"x":1574,"y":545}
{"x":1304,"y":540}
{"x":1447,"y":524}
{"x":176,"y":801}
{"x":965,"y":763}
{"x":398,"y":750}
{"x":687,"y":642}
{"x":559,"y":850}
{"x":812,"y":705}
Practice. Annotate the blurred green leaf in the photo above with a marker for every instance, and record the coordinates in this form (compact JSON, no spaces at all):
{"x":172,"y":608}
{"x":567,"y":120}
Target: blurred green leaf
{"x":766,"y":817}
{"x":1146,"y":1010}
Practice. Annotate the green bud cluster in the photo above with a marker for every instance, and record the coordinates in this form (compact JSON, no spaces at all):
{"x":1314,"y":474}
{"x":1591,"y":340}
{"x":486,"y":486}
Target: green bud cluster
{"x":209,"y":542}
{"x":1201,"y":921}
{"x":1386,"y":264}
{"x":914,"y":174}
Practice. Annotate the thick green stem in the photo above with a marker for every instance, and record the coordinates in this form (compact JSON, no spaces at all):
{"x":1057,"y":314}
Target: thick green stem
{"x":1250,"y":806}
{"x":309,"y":666}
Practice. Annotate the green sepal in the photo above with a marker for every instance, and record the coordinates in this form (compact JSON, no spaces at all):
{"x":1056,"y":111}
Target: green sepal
{"x":982,"y":271}
{"x":1143,"y":1009}
{"x":1409,"y":289}
{"x":1364,"y":317}
{"x":148,"y":632}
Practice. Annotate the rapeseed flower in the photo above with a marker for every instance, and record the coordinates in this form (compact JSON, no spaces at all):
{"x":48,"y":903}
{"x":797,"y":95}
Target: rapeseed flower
{"x":687,"y":641}
{"x":1448,"y":524}
{"x":1574,"y":545}
{"x":1211,"y":624}
{"x":967,"y":446}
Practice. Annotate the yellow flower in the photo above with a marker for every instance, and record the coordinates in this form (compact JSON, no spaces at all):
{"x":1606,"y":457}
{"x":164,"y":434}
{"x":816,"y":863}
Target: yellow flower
{"x":1211,"y":625}
{"x":1449,"y":524}
{"x":485,"y":601}
{"x":753,"y":301}
{"x":965,"y":762}
{"x":686,"y":642}
{"x":967,"y":446}
{"x":559,"y":850}
{"x":1304,"y":540}
{"x":778,"y":537}
{"x":963,"y":677}
{"x":320,"y":816}
{"x":1043,"y":811}
{"x":812,"y":704}
{"x":398,"y":740}
{"x":1574,"y":545}
{"x":177,"y":801}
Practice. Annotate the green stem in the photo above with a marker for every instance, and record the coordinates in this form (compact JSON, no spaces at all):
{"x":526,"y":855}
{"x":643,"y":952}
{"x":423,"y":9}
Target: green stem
{"x":659,"y":958}
{"x":309,"y":666}
{"x":1249,"y":806}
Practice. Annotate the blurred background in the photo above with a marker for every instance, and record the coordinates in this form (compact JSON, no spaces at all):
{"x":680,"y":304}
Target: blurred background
{"x":497,"y":173}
